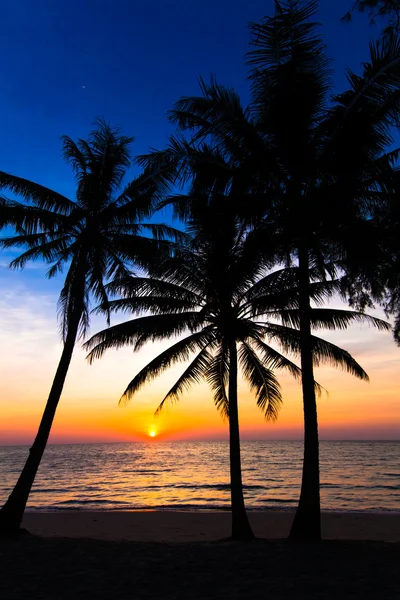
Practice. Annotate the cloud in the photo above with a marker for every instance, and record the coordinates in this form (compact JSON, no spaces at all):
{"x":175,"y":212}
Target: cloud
{"x":31,"y":348}
{"x":25,"y":319}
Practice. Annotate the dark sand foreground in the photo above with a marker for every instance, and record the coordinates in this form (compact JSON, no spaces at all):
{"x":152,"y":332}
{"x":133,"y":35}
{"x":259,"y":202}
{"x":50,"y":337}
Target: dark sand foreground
{"x":171,"y":526}
{"x":55,"y":568}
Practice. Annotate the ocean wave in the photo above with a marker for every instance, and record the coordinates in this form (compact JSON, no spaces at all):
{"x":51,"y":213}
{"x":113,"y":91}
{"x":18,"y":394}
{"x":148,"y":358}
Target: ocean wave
{"x":146,"y":471}
{"x":91,"y":501}
{"x":354,"y":476}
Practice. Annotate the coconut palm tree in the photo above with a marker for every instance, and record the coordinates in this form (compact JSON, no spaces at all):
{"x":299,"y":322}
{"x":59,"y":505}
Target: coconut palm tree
{"x":373,"y":270}
{"x":335,"y":171}
{"x":95,"y":236}
{"x":309,"y":164}
{"x":220,"y":293}
{"x":388,"y":10}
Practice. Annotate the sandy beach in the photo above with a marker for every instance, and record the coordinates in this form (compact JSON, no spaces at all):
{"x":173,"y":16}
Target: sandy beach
{"x":178,"y":555}
{"x":171,"y":526}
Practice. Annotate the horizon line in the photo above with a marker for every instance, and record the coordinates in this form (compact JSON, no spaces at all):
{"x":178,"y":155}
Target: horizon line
{"x":180,"y":441}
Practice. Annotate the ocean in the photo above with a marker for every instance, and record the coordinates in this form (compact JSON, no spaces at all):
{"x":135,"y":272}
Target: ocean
{"x":355,"y":476}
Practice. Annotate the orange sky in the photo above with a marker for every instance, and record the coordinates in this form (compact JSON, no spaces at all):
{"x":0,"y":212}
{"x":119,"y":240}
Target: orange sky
{"x":88,"y":410}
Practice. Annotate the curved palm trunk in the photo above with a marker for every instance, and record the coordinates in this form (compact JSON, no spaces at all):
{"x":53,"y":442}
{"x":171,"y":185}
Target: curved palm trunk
{"x":241,"y":529}
{"x":307,"y":520}
{"x":12,"y":512}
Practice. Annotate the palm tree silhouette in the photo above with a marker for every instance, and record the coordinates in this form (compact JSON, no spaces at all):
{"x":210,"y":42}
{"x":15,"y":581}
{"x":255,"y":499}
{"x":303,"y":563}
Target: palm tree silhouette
{"x":220,"y":292}
{"x":334,"y":170}
{"x":96,"y":236}
{"x":388,"y":10}
{"x":310,"y":165}
{"x":373,"y":270}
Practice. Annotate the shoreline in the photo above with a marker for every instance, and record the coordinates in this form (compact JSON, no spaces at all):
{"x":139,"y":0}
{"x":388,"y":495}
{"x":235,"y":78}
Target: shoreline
{"x":205,"y":509}
{"x":171,"y":526}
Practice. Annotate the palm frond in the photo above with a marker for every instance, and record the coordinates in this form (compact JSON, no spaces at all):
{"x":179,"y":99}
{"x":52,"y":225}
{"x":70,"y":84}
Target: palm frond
{"x":75,"y":157}
{"x":323,"y":351}
{"x":133,"y":287}
{"x":381,"y":77}
{"x":155,"y":305}
{"x":217,"y":378}
{"x":178,"y":352}
{"x":160,"y":231}
{"x":218,"y":112}
{"x":195,"y":372}
{"x":41,"y":249}
{"x":138,"y":332}
{"x":31,"y":219}
{"x":262,"y":381}
{"x":332,"y":319}
{"x":289,"y":67}
{"x":272,"y":359}
{"x":41,"y":196}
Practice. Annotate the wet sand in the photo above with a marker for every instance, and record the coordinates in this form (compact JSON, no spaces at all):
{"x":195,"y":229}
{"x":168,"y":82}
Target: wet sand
{"x":171,"y":526}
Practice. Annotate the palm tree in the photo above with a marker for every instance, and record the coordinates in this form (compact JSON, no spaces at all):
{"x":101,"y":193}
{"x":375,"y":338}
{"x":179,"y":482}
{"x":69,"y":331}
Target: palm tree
{"x":309,"y":165}
{"x":373,"y":271}
{"x":96,"y":236}
{"x":335,"y":171}
{"x":219,"y":291}
{"x":388,"y":10}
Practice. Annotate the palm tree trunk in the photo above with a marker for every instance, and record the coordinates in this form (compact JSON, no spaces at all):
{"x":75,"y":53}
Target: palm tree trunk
{"x":12,"y":512}
{"x":307,"y":520}
{"x":241,"y":529}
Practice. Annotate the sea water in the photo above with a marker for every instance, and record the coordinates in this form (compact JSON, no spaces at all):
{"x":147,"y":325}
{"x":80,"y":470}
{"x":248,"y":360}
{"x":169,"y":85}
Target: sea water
{"x":355,"y":476}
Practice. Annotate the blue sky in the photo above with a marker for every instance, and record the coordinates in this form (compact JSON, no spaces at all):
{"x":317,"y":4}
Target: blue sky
{"x":65,"y":63}
{"x":134,"y":59}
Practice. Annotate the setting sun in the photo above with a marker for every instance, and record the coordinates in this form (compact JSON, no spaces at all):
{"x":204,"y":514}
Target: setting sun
{"x":152,"y":433}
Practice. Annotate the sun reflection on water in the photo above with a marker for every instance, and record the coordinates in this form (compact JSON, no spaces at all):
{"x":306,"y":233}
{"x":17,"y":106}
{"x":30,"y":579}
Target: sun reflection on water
{"x":193,"y":475}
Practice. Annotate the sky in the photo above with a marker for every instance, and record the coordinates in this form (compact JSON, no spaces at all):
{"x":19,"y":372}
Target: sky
{"x":65,"y":63}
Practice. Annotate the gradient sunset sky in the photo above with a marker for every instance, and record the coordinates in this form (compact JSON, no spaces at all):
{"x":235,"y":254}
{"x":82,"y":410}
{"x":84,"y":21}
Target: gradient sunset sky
{"x":64,"y":64}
